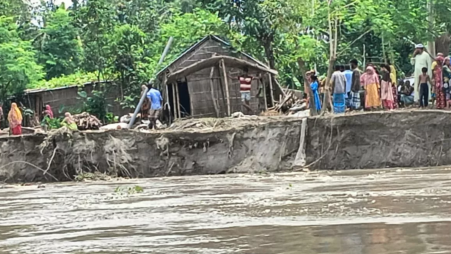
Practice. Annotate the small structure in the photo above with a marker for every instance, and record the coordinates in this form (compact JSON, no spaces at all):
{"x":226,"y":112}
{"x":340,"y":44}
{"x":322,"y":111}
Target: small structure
{"x":66,"y":98}
{"x":202,"y":81}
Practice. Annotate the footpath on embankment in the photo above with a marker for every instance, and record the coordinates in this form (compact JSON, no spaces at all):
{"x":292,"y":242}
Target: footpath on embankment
{"x":218,"y":146}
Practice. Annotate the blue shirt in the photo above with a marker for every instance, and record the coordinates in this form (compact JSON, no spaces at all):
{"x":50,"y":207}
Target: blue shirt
{"x":348,"y":75}
{"x":155,"y":98}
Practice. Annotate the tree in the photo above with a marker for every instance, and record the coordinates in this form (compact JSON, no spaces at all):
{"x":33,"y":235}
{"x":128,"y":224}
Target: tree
{"x":127,"y":47}
{"x":95,"y":20}
{"x":18,"y":67}
{"x":60,"y":50}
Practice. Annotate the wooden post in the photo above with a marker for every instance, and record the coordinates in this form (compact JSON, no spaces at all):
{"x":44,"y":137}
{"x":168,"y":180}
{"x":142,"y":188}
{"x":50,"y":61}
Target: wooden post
{"x":271,"y":89}
{"x":222,"y":92}
{"x":226,"y":83}
{"x":264,"y":93}
{"x":213,"y":99}
{"x":178,"y":100}
{"x":174,"y":102}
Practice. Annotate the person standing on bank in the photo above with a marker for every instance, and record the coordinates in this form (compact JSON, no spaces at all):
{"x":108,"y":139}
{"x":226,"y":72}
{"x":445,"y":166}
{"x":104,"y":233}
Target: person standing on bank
{"x":355,"y":85}
{"x":245,"y":88}
{"x":145,"y":107}
{"x":370,"y":81}
{"x":424,"y":88}
{"x":338,"y":82}
{"x":155,"y":105}
{"x":15,"y":120}
{"x":446,"y":81}
{"x":315,"y":86}
{"x":437,"y":82}
{"x":348,"y":75}
{"x":48,"y":112}
{"x":386,"y":88}
{"x":420,"y":60}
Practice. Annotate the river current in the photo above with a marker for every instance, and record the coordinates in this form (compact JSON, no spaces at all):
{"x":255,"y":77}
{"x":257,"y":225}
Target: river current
{"x":371,"y":212}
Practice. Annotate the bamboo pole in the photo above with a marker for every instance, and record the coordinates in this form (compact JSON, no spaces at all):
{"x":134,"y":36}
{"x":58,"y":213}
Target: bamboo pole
{"x":271,"y":90}
{"x":138,"y":108}
{"x":222,"y":92}
{"x":174,"y":103}
{"x":264,"y":93}
{"x":178,"y":100}
{"x":226,"y":83}
{"x":215,"y":103}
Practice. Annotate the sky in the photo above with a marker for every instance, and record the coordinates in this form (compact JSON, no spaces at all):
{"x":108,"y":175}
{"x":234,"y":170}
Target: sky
{"x":67,"y":2}
{"x":57,"y":2}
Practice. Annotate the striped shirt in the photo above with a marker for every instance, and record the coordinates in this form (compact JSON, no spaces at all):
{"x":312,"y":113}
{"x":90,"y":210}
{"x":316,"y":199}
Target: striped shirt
{"x":245,"y":84}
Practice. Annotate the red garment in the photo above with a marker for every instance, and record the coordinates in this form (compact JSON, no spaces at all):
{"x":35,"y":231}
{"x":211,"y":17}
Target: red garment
{"x":48,"y":111}
{"x":438,"y":77}
{"x":17,"y":130}
{"x":387,"y":104}
{"x":440,"y":99}
{"x":245,"y":84}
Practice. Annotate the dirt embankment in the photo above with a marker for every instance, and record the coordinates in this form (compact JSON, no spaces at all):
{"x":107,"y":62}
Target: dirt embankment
{"x":208,"y":146}
{"x":215,"y":146}
{"x":413,"y":138}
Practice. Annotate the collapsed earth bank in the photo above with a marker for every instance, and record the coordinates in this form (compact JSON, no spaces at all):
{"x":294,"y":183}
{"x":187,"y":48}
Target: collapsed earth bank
{"x":257,"y":144}
{"x":358,"y":141}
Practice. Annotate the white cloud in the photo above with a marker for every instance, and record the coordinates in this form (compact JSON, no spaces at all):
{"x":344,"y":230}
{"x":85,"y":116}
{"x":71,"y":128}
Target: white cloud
{"x":67,"y":2}
{"x":57,"y":2}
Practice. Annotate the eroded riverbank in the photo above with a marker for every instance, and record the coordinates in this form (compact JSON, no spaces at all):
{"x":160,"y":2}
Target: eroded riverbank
{"x":371,"y":212}
{"x":416,"y":138}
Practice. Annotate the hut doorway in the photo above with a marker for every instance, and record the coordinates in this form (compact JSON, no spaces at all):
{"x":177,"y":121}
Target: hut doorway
{"x":184,"y":100}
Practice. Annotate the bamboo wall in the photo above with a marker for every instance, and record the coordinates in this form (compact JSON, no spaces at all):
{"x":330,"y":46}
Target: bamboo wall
{"x":66,"y":100}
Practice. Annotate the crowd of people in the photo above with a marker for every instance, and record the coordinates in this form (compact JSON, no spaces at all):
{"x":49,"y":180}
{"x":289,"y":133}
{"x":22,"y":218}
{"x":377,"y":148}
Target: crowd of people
{"x":378,"y":88}
{"x":15,"y":119}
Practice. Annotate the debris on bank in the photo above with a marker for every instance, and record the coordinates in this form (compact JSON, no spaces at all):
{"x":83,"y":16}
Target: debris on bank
{"x":290,"y":105}
{"x":86,"y":121}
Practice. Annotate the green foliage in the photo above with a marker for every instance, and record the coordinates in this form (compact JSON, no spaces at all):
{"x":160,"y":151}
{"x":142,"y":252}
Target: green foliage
{"x":129,"y":101}
{"x":78,"y":78}
{"x":123,"y":40}
{"x":186,"y":28}
{"x":111,"y":118}
{"x":51,"y":123}
{"x":60,"y":50}
{"x":18,"y":67}
{"x":95,"y":104}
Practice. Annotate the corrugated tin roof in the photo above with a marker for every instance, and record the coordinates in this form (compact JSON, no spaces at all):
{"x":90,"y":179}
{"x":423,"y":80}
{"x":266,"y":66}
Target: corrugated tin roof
{"x":206,"y":38}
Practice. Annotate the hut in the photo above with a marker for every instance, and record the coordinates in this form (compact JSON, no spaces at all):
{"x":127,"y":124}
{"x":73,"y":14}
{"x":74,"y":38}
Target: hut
{"x":66,"y":98}
{"x":203,"y":81}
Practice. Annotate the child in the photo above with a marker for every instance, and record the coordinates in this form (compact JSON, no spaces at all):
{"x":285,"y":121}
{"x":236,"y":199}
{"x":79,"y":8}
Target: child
{"x":424,"y":88}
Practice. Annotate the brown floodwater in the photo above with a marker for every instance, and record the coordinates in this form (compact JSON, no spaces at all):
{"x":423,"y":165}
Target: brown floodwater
{"x":371,"y":212}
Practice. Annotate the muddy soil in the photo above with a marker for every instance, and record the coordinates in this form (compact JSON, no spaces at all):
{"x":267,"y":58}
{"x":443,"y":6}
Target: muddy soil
{"x":371,"y":212}
{"x":191,"y":147}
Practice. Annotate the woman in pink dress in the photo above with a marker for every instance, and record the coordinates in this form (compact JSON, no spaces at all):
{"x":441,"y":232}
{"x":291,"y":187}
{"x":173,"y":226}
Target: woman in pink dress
{"x":386,"y":88}
{"x":437,"y":73}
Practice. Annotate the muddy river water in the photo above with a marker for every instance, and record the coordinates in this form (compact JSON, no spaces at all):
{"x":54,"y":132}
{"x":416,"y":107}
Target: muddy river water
{"x":372,"y":212}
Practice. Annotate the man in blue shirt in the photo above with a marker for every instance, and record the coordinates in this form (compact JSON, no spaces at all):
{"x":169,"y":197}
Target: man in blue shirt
{"x":155,"y":105}
{"x":348,"y":75}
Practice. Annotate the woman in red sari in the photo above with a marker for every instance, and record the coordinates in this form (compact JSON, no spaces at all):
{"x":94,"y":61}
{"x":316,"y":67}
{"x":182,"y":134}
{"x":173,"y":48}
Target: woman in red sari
{"x":48,"y":111}
{"x":15,"y":120}
{"x":438,"y":83}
